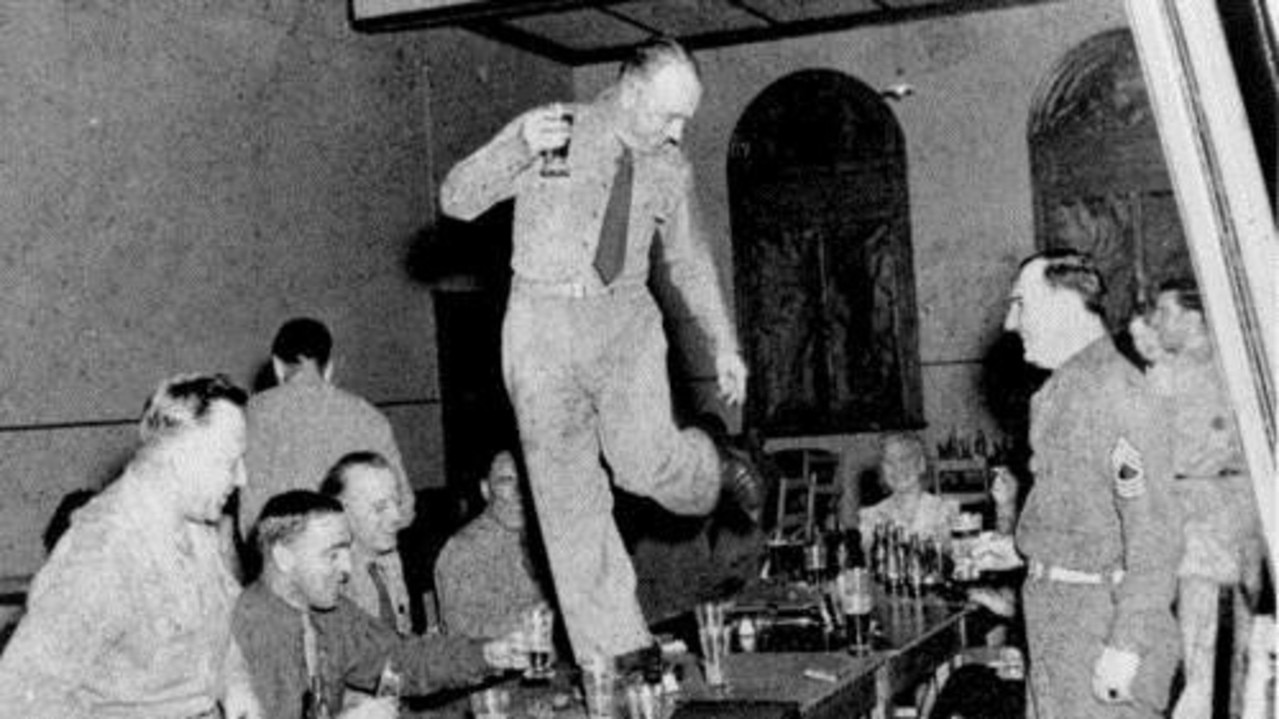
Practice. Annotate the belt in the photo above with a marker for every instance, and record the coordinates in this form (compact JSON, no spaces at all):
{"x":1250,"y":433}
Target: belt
{"x":1039,"y":570}
{"x":572,"y":290}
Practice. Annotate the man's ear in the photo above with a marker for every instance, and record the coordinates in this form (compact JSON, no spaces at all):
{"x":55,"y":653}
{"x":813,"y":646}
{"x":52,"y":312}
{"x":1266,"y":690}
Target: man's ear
{"x":283,"y":558}
{"x":327,"y":370}
{"x":278,"y":367}
{"x":486,"y":491}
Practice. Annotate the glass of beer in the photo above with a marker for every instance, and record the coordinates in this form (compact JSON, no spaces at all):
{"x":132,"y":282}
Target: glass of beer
{"x":858,"y":603}
{"x":539,"y":625}
{"x":555,"y":160}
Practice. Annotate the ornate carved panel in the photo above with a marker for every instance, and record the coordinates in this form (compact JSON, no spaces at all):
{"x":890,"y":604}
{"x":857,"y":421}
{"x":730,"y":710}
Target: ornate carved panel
{"x":824,"y":272}
{"x":1101,"y":184}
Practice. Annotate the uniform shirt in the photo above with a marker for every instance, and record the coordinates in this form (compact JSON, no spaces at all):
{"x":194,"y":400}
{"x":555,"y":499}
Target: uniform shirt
{"x":932,"y":517}
{"x":130,"y":617}
{"x":1213,"y":491}
{"x":1100,"y":501}
{"x":300,"y":429}
{"x":484,"y":580}
{"x":361,"y":590}
{"x":351,"y":647}
{"x":557,"y":220}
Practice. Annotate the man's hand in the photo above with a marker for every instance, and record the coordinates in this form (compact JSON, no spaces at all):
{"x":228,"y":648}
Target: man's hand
{"x":546,"y":128}
{"x":508,"y":652}
{"x":379,"y":708}
{"x":730,"y":372}
{"x":1113,"y":674}
{"x":240,"y":703}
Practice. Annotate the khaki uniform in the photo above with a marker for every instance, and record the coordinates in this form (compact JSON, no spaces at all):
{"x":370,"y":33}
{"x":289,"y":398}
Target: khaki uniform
{"x":1221,"y":525}
{"x":585,"y":364}
{"x":1101,"y":518}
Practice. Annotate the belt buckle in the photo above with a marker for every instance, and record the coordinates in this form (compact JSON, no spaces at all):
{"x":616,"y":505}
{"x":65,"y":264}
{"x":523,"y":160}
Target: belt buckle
{"x":576,"y":290}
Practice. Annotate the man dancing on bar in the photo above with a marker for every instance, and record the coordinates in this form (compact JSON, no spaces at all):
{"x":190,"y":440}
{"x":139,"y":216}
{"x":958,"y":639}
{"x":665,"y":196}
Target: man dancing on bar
{"x":584,"y":351}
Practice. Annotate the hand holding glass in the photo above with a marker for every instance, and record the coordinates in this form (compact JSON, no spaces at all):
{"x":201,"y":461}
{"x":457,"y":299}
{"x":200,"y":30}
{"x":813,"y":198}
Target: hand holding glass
{"x":857,"y":601}
{"x":555,"y":159}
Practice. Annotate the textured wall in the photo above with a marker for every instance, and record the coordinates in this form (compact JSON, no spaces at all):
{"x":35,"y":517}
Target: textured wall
{"x":975,"y":78}
{"x":176,"y":179}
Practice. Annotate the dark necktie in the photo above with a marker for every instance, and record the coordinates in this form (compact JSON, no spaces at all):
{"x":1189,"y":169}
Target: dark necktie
{"x":385,"y":609}
{"x":610,"y":254}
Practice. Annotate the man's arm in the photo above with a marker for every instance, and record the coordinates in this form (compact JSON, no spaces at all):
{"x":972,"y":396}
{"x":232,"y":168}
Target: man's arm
{"x":686,"y":252}
{"x":1141,"y":477}
{"x":490,"y":174}
{"x":427,"y":663}
{"x":76,"y":609}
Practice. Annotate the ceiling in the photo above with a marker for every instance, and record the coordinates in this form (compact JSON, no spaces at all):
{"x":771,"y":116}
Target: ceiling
{"x":580,"y":32}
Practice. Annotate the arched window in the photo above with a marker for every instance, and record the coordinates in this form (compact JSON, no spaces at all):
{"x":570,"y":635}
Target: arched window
{"x":1100,"y":181}
{"x":822,"y":259}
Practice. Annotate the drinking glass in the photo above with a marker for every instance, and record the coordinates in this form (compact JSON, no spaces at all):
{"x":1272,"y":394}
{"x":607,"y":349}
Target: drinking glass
{"x":712,"y":633}
{"x":539,"y":625}
{"x":555,"y":160}
{"x":858,"y":602}
{"x":599,"y":682}
{"x":491,"y":703}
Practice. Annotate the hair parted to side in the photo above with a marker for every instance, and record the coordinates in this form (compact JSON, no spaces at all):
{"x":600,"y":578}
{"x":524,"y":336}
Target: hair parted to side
{"x":184,"y":401}
{"x":1185,"y":291}
{"x":285,"y":516}
{"x":303,"y":338}
{"x":1066,"y":268}
{"x":334,"y":482}
{"x":657,"y":52}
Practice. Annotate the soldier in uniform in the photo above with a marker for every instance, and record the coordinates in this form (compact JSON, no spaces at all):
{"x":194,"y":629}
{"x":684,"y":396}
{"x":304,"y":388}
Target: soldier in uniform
{"x":1099,"y":529}
{"x":1213,"y":492}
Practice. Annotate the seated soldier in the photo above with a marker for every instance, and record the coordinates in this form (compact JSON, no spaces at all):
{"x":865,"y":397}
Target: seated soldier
{"x":903,"y":465}
{"x":303,"y":642}
{"x":366,"y":485}
{"x":485,"y":577}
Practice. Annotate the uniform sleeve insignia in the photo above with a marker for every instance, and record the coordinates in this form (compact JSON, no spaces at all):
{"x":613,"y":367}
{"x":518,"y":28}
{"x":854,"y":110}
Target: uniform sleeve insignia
{"x":1126,"y":465}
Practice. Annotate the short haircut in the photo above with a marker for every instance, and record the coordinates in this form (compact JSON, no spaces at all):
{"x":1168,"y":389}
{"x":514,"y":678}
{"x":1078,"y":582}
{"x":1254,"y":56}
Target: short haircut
{"x":303,"y":338}
{"x":908,"y":439}
{"x":184,"y":401}
{"x":1185,"y":291}
{"x":334,"y":482}
{"x":286,"y":515}
{"x":1066,"y":268}
{"x":655,"y":53}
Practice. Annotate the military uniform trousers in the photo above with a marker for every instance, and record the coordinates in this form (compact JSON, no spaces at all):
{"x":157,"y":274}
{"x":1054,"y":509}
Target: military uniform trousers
{"x":1066,"y":629}
{"x":586,"y":374}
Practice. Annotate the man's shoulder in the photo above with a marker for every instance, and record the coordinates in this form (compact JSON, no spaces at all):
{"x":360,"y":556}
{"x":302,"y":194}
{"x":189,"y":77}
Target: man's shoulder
{"x":311,"y":400}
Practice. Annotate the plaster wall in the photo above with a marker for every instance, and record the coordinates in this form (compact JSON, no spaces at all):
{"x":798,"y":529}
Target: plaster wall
{"x":975,"y":79}
{"x":176,"y":179}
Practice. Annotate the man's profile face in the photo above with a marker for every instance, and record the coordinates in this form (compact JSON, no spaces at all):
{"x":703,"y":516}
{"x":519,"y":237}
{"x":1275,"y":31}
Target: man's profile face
{"x":318,"y":560}
{"x":210,"y":460}
{"x":661,"y":104}
{"x":504,"y":485}
{"x":370,"y":500}
{"x":1035,"y":312}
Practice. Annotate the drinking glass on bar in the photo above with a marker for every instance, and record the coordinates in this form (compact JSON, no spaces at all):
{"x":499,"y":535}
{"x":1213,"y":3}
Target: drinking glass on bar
{"x":390,"y":683}
{"x":858,"y":602}
{"x":491,"y":703}
{"x":539,"y":625}
{"x":599,"y":682}
{"x":712,"y":633}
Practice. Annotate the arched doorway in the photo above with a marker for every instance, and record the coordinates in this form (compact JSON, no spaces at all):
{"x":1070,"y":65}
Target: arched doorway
{"x":822,"y":258}
{"x":1100,"y":181}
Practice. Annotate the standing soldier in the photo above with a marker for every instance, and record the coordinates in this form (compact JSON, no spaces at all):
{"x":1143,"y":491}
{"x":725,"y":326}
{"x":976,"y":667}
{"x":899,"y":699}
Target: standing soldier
{"x":1099,"y":529}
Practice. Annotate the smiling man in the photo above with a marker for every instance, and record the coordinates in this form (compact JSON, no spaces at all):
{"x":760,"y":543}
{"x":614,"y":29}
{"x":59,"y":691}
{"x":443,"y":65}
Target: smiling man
{"x":583,"y":347}
{"x":130,"y":617}
{"x":366,"y":485}
{"x":1099,"y":528}
{"x":302,"y":638}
